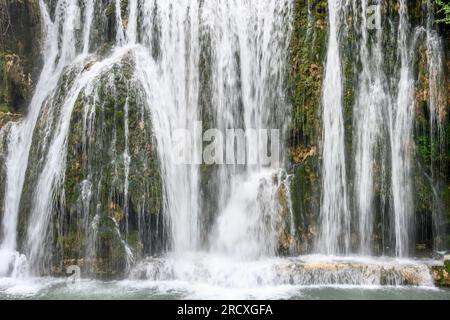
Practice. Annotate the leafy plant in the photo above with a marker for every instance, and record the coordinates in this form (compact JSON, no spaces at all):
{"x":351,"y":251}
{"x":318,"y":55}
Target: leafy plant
{"x":443,"y":8}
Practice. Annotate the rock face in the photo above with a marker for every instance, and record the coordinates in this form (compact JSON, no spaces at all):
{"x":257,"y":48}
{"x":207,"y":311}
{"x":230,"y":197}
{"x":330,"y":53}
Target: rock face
{"x":108,"y":212}
{"x":19,"y":53}
{"x":308,"y":49}
{"x":112,"y":175}
{"x":441,"y":274}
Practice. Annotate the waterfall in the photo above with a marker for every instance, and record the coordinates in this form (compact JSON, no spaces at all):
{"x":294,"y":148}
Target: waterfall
{"x":436,"y":100}
{"x":57,"y":56}
{"x":334,"y":237}
{"x":92,"y":173}
{"x":435,"y":69}
{"x":248,"y":42}
{"x":401,"y":132}
{"x":383,"y":110}
{"x":60,"y":50}
{"x":258,"y":34}
{"x":370,"y":103}
{"x":171,"y":82}
{"x":89,"y":13}
{"x":248,"y":226}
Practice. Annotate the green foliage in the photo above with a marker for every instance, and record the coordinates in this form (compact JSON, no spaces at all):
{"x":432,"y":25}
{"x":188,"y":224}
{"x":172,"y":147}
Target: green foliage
{"x":443,"y":10}
{"x":96,"y":156}
{"x":427,"y":150}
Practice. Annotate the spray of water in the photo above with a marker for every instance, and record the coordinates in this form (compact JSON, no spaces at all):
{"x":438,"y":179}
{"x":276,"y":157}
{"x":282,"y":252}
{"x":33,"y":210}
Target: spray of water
{"x":334,"y":237}
{"x":246,"y":48}
{"x":58,"y":53}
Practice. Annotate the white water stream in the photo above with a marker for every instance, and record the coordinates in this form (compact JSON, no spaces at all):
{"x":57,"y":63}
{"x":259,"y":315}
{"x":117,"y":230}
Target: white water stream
{"x":335,"y":216}
{"x":248,"y":46}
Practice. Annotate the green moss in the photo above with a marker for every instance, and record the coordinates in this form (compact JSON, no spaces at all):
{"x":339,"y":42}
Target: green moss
{"x":134,"y":241}
{"x":447,"y":265}
{"x":96,"y":159}
{"x":423,"y":195}
{"x":111,"y":260}
{"x":307,"y":54}
{"x":307,"y":49}
{"x":426,"y":149}
{"x":72,"y":244}
{"x":305,"y":192}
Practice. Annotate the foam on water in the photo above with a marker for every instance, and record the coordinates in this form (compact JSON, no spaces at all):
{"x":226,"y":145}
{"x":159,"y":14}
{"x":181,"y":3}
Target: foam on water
{"x":207,"y":276}
{"x":304,"y":270}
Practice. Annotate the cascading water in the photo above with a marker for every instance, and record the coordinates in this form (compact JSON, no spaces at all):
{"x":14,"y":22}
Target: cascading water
{"x":170,"y":82}
{"x":435,"y":101}
{"x":60,"y":49}
{"x":263,"y":197}
{"x":166,"y":66}
{"x":436,"y":76}
{"x":249,"y":41}
{"x":334,"y":237}
{"x":401,"y":125}
{"x":20,"y":138}
{"x":368,"y":119}
{"x":383,"y":109}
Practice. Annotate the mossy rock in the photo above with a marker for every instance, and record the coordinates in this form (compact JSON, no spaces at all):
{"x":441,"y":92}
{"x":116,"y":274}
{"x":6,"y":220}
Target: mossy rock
{"x":110,"y":172}
{"x":111,"y":259}
{"x":441,"y":276}
{"x":305,"y":193}
{"x":307,"y":55}
{"x":307,"y":52}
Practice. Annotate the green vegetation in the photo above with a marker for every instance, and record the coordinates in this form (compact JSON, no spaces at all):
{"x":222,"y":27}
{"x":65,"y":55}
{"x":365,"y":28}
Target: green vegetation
{"x":307,"y":51}
{"x":444,"y":11}
{"x":427,"y":150}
